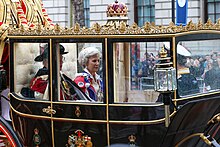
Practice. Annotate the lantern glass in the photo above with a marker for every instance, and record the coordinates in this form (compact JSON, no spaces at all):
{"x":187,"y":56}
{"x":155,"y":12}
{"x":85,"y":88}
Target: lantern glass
{"x":165,"y":79}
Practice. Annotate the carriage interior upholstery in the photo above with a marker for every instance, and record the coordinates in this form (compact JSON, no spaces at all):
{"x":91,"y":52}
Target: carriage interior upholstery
{"x":25,"y":66}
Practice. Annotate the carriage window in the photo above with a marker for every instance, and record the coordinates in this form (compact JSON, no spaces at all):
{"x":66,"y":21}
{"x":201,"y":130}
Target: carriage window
{"x":198,"y":67}
{"x":82,"y":69}
{"x":31,"y":70}
{"x":134,"y":63}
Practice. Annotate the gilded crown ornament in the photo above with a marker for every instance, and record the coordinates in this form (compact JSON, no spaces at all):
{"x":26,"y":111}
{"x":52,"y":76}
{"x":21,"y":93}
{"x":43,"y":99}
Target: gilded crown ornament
{"x":117,"y":9}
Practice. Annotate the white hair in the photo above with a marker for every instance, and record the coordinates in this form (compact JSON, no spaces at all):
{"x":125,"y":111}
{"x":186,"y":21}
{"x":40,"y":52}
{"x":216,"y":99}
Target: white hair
{"x":86,"y":53}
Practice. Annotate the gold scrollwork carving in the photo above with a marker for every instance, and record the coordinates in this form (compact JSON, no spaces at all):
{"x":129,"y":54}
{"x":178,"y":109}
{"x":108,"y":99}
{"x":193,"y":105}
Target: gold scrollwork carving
{"x":115,"y":28}
{"x":49,"y":110}
{"x":191,"y":26}
{"x":199,"y":25}
{"x":76,"y":28}
{"x":217,"y":25}
{"x":215,"y":119}
{"x":209,"y":24}
{"x":96,"y":28}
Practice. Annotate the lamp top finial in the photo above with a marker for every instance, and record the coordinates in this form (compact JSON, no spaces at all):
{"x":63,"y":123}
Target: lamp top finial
{"x":163,"y":53}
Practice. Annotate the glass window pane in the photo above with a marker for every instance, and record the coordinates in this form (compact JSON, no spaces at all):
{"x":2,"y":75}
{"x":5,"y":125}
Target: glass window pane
{"x":134,"y":79}
{"x":31,"y":72}
{"x":152,"y":11}
{"x":87,"y":76}
{"x":217,"y":7}
{"x":211,"y":8}
{"x":146,"y":2}
{"x":140,"y":3}
{"x":152,"y":2}
{"x":152,"y":19}
{"x":212,"y":17}
{"x":86,"y":3}
{"x":140,"y":11}
{"x":87,"y":13}
{"x":147,"y":11}
{"x":140,"y":21}
{"x":203,"y":67}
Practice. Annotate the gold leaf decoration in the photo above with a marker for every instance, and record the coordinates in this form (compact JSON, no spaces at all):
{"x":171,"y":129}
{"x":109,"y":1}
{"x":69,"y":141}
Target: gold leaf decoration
{"x":172,"y":28}
{"x":76,"y":28}
{"x":85,"y":31}
{"x":122,"y":27}
{"x":199,"y":25}
{"x":147,"y":27}
{"x":96,"y":27}
{"x":113,"y":28}
{"x":209,"y":24}
{"x":57,"y":28}
{"x":190,"y":26}
{"x":217,"y":25}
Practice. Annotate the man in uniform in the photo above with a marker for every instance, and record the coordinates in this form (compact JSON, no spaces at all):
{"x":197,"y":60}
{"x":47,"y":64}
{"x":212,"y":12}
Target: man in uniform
{"x":39,"y":83}
{"x":187,"y":83}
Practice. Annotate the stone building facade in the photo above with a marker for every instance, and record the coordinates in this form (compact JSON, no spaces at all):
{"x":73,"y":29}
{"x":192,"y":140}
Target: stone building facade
{"x":66,"y":12}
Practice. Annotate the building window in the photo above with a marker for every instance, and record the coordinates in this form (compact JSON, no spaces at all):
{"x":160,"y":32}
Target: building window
{"x":145,"y":11}
{"x":213,"y":10}
{"x":86,"y":13}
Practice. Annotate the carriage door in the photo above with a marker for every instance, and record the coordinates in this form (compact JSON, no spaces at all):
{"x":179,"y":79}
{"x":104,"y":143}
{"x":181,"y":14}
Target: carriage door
{"x":80,"y":118}
{"x":30,"y":104}
{"x":135,"y":110}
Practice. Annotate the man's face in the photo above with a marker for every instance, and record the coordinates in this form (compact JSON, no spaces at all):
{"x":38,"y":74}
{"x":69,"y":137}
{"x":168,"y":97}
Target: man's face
{"x":214,"y":56}
{"x":208,"y":57}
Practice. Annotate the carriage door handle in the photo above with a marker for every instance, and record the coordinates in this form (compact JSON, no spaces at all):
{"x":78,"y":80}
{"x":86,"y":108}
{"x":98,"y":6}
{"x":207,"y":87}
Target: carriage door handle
{"x":49,"y":110}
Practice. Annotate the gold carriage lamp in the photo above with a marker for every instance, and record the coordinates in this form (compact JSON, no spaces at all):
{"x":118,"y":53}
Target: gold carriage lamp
{"x":165,"y":81}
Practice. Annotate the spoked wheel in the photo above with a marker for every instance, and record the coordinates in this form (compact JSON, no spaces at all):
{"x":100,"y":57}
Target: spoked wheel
{"x":8,"y":137}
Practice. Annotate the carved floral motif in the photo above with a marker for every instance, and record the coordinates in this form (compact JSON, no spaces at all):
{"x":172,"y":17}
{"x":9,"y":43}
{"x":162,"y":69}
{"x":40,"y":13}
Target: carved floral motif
{"x":111,"y":29}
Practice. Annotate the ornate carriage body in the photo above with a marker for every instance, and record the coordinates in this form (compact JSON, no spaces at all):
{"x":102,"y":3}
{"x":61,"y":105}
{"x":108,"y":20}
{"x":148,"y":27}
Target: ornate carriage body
{"x":131,"y":112}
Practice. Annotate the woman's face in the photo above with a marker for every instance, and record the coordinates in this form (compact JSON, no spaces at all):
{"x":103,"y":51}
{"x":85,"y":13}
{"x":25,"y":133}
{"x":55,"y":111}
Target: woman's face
{"x":93,"y":63}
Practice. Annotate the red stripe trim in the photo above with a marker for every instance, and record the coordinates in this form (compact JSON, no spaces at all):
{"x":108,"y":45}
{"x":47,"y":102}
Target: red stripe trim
{"x":11,"y":140}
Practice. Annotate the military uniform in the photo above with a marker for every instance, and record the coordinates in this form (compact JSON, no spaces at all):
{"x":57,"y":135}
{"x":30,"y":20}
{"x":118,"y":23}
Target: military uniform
{"x":93,"y":87}
{"x":187,"y":83}
{"x":39,"y":82}
{"x":39,"y":85}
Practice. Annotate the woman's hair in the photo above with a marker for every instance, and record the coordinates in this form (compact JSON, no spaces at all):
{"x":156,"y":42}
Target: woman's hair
{"x":86,"y":53}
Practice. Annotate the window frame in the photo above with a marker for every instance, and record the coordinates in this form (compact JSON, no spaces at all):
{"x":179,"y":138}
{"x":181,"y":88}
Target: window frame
{"x":207,"y":13}
{"x":145,"y":6}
